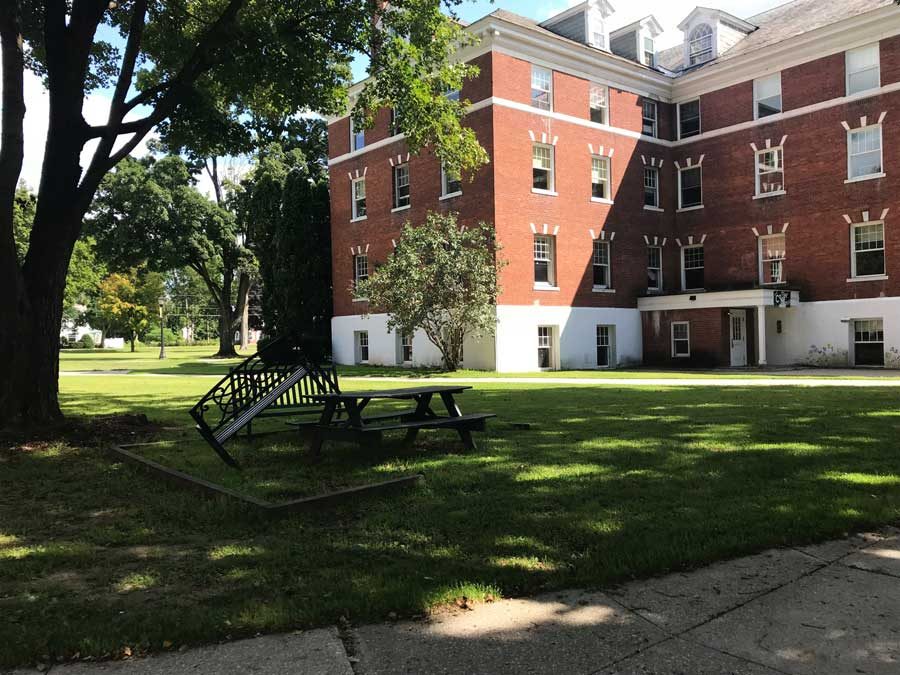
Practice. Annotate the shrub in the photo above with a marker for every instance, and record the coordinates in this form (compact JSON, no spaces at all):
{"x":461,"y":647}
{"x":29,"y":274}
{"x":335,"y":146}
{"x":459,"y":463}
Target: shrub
{"x":86,"y":341}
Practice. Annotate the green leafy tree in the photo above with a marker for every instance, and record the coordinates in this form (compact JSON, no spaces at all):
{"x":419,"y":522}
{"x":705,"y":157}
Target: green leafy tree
{"x":127,"y":301}
{"x":284,"y":202}
{"x":441,"y":278}
{"x":148,"y":210}
{"x":23,"y":214}
{"x":254,"y":59}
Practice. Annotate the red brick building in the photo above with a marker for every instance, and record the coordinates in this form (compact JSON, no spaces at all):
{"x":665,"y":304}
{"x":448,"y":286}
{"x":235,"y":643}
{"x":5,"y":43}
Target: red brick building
{"x":731,"y":201}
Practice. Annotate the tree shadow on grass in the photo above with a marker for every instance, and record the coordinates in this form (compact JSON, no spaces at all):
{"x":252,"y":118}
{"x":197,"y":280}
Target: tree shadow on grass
{"x":607,"y":485}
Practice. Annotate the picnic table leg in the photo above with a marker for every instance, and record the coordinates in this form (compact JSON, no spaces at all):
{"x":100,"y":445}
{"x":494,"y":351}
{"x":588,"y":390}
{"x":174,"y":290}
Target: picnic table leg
{"x":453,"y":411}
{"x":423,"y":411}
{"x":315,"y":446}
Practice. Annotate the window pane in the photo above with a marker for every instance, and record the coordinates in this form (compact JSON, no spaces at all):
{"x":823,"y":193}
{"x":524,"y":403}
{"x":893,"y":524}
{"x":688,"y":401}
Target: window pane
{"x":689,"y":118}
{"x":869,"y":237}
{"x":542,"y":167}
{"x":651,"y":186}
{"x":863,"y":81}
{"x":691,"y":189}
{"x":541,"y":79}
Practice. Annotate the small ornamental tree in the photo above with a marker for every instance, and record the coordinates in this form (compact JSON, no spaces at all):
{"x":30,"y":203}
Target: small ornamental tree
{"x":441,"y":278}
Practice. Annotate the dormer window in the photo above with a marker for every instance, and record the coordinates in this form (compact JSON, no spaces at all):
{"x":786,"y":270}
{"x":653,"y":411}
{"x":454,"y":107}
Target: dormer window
{"x":700,"y":44}
{"x":649,"y":53}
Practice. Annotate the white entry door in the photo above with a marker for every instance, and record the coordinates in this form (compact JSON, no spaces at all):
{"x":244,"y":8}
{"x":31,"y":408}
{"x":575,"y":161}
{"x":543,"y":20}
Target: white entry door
{"x":738,"y":337}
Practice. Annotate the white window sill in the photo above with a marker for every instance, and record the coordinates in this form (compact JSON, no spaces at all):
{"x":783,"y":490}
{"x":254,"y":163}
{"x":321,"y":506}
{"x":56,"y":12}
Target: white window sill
{"x":450,"y":196}
{"x":689,"y":208}
{"x":602,"y":289}
{"x":765,"y":195}
{"x":356,"y":220}
{"x":693,"y":290}
{"x":360,"y":299}
{"x":545,"y":287}
{"x":681,"y":356}
{"x":873,"y":277}
{"x":401,"y":208}
{"x":549,"y":193}
{"x":871,"y":176}
{"x":654,"y":291}
{"x":654,"y":208}
{"x":601,"y":200}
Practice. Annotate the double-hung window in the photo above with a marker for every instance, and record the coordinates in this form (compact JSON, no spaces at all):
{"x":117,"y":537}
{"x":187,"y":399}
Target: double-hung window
{"x":868,"y":250}
{"x":544,"y":257}
{"x":769,"y":171}
{"x":648,"y":113}
{"x":357,"y":136}
{"x":605,"y":342}
{"x":681,"y":339}
{"x":771,"y":259}
{"x":451,"y":184}
{"x":394,"y":124}
{"x":690,"y":187}
{"x":542,"y":161}
{"x":689,"y":118}
{"x":864,"y":152}
{"x":452,"y":95}
{"x":654,"y":268}
{"x":545,"y":347}
{"x":601,"y":264}
{"x":863,"y":69}
{"x":401,"y":186}
{"x":406,"y":348}
{"x":360,"y":268}
{"x":651,"y":186}
{"x":649,"y":52}
{"x":600,"y":178}
{"x":362,"y":346}
{"x":692,"y":264}
{"x":599,"y":104}
{"x":358,"y":190}
{"x":767,"y":96}
{"x":541,"y":88}
{"x":868,"y":342}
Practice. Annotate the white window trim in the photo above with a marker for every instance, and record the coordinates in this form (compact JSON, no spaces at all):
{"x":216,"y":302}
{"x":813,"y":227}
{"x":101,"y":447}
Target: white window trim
{"x":549,"y":91}
{"x":553,"y":347}
{"x":854,"y":277}
{"x":647,"y":207}
{"x":658,"y":289}
{"x":600,"y":288}
{"x":762,"y":262}
{"x":611,"y":347}
{"x":358,"y":335}
{"x":605,"y":108}
{"x":699,"y":118}
{"x":672,"y":340}
{"x":394,"y":187}
{"x":552,"y":284}
{"x":552,"y":182}
{"x":756,"y":96}
{"x":868,"y":176}
{"x":444,"y":193}
{"x":608,"y":181}
{"x":847,"y":72}
{"x":756,"y":173}
{"x":696,"y":206}
{"x":684,"y":271}
{"x":655,"y":133}
{"x":355,"y":218}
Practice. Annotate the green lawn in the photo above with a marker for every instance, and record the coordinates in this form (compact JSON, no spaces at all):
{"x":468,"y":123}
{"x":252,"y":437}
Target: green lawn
{"x":610,"y":483}
{"x":199,"y":361}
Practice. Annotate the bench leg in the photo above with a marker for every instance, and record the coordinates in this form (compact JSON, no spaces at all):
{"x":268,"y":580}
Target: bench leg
{"x":467,"y":439}
{"x":411,"y":436}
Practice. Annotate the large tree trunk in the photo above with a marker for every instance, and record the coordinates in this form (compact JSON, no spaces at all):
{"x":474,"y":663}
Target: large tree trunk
{"x":245,"y":326}
{"x":226,"y":333}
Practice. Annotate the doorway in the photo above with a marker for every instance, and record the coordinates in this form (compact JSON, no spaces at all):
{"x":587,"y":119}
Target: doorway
{"x":738,"y":337}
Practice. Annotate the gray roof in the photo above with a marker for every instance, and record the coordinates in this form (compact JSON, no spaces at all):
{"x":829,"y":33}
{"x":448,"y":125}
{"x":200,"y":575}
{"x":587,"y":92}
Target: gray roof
{"x":774,"y":26}
{"x":782,"y":23}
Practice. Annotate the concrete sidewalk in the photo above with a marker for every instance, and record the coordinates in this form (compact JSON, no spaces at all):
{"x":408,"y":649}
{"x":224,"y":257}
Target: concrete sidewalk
{"x":830,"y":609}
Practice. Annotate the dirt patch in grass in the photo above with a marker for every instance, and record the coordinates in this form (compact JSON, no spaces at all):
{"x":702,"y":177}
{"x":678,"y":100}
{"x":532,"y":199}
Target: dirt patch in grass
{"x":85,"y":432}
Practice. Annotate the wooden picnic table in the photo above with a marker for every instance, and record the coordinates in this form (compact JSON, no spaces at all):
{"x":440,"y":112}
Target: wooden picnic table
{"x":360,"y":428}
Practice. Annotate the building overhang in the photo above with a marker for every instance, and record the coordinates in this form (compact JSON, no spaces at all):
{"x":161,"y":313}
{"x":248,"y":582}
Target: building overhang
{"x":751,"y":297}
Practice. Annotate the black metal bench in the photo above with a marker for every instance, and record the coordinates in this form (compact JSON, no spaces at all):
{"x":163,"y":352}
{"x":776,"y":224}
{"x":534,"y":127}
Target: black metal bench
{"x":279,"y":380}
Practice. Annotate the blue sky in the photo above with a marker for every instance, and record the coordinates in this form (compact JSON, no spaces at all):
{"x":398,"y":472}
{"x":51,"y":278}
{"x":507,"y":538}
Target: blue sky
{"x":668,"y":12}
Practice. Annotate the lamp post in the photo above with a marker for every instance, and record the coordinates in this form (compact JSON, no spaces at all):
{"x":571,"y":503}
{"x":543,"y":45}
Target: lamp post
{"x":162,"y":334}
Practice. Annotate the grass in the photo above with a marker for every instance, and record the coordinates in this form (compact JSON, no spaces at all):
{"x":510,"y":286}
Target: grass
{"x":610,"y":483}
{"x":199,"y":361}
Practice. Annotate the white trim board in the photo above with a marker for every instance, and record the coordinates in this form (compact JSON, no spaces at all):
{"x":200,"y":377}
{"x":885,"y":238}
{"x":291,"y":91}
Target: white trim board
{"x":756,"y":297}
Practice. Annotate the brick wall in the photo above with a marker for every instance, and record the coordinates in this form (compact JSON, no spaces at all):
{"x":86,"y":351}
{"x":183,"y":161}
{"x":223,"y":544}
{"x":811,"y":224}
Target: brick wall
{"x":708,"y":331}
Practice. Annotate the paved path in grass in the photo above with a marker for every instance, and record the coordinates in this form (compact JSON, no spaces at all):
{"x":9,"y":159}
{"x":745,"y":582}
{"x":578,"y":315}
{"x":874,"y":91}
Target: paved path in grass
{"x":828,"y":609}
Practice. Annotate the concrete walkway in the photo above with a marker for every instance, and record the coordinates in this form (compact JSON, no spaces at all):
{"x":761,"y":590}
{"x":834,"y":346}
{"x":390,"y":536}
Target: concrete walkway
{"x":829,"y":609}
